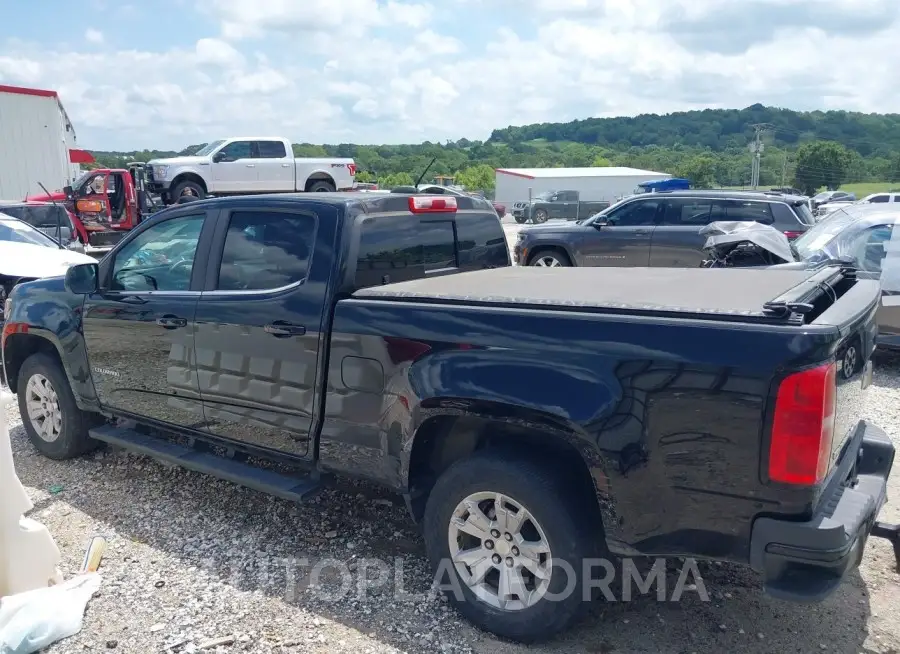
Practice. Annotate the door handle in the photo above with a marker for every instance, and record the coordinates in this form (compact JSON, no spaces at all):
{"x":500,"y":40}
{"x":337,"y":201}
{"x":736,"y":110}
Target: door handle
{"x":281,"y":329}
{"x":285,"y":165}
{"x":171,"y":322}
{"x":251,"y":165}
{"x":642,"y":231}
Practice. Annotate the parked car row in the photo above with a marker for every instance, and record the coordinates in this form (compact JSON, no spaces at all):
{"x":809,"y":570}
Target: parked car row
{"x":656,"y":229}
{"x":534,"y":421}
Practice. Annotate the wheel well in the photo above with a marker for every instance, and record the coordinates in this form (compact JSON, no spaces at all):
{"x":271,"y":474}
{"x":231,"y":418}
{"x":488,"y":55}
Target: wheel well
{"x":319,"y":177}
{"x":442,"y":441}
{"x":17,"y":348}
{"x":188,"y":177}
{"x":549,"y":248}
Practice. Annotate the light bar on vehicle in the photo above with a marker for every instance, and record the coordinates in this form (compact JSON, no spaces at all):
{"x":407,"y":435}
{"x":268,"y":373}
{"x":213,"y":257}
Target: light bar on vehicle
{"x":432,"y":204}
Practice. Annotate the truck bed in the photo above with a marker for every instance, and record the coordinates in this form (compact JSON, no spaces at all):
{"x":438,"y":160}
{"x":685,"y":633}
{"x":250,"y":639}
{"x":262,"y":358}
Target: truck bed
{"x":741,"y":293}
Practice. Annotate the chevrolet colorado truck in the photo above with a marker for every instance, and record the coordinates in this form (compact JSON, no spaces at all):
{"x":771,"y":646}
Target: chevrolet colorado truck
{"x":534,"y":421}
{"x":247,"y":165}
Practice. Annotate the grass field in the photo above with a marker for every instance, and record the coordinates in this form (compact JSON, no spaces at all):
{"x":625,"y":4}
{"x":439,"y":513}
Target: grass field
{"x":862,"y":189}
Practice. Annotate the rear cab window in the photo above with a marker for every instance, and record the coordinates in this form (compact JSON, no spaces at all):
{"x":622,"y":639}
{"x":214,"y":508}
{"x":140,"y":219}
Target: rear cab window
{"x":266,"y":250}
{"x":394,"y":248}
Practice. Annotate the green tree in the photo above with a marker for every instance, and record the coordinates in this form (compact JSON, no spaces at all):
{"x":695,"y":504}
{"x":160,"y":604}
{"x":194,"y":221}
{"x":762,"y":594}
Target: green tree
{"x":364,"y":176}
{"x":821,"y":163}
{"x":396,"y":179}
{"x":700,"y":169}
{"x":601,"y":162}
{"x":477,"y":178}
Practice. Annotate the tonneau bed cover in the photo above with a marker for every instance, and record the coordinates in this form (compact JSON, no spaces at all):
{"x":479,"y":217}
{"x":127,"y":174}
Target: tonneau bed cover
{"x":727,"y":294}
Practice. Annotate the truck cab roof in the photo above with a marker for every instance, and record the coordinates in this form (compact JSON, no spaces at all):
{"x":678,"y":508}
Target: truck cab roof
{"x":359,"y":201}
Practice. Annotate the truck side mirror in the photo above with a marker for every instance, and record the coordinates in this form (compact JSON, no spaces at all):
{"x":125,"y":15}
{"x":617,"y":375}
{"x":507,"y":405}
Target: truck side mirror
{"x":70,"y":193}
{"x":83,"y":279}
{"x":219,"y":157}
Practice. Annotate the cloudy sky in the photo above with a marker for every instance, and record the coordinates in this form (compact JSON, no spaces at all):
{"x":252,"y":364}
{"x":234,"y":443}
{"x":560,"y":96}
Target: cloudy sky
{"x":167,"y":73}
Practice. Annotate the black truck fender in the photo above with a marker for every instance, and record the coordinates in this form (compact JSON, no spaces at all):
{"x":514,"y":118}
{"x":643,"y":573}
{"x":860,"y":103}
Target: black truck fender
{"x":451,"y":429}
{"x":54,"y":328}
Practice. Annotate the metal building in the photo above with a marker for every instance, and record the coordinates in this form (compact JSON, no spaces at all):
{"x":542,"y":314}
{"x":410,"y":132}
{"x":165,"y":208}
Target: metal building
{"x":37,"y":143}
{"x":593,"y":184}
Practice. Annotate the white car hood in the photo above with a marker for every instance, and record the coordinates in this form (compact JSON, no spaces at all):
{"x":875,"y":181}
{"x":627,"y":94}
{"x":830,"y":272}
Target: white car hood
{"x":25,"y":260}
{"x":179,"y":161}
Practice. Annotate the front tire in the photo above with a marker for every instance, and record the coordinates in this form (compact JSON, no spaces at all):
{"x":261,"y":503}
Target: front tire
{"x":187,"y":188}
{"x":55,"y":425}
{"x":549,"y":259}
{"x":510,"y":533}
{"x":521,"y":220}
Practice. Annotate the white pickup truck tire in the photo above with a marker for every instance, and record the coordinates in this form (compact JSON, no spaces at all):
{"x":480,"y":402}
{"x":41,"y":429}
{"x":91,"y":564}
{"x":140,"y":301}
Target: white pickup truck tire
{"x":321,"y":186}
{"x":187,"y":188}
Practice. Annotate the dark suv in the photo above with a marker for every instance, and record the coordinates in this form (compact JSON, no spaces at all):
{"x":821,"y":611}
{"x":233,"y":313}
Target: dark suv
{"x":656,"y":229}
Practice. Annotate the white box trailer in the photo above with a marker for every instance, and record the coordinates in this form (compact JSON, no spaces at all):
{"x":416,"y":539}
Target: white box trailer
{"x":600,"y":184}
{"x":37,"y":143}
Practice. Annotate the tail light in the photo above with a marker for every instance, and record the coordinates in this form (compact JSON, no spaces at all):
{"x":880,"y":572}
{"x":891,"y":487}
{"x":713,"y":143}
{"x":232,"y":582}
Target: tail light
{"x":792,"y":235}
{"x":432,"y":204}
{"x":803,"y":428}
{"x":352,"y":169}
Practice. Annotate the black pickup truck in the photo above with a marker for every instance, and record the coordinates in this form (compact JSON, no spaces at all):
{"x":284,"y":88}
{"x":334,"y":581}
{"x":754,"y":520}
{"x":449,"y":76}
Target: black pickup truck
{"x":562,"y":205}
{"x":534,"y":421}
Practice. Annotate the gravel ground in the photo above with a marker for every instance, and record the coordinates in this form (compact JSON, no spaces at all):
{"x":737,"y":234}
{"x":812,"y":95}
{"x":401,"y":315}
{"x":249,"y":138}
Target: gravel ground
{"x":194,"y":561}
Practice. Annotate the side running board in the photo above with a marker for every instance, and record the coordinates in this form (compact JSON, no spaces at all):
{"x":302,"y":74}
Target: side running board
{"x":296,"y":489}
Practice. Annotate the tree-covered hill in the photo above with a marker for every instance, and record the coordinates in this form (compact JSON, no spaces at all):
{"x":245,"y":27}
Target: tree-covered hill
{"x":809,"y":149}
{"x":720,"y":130}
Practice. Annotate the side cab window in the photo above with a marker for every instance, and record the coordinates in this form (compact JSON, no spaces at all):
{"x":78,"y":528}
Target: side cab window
{"x":634,"y":214}
{"x":161,"y":258}
{"x":869,"y":247}
{"x":234,"y":152}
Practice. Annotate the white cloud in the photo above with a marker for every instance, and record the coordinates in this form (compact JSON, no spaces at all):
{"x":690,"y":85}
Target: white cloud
{"x":378,"y":71}
{"x":93,"y":36}
{"x":217,"y":52}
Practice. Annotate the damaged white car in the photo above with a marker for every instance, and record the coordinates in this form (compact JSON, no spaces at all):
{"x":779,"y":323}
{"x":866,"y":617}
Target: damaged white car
{"x":27,"y":253}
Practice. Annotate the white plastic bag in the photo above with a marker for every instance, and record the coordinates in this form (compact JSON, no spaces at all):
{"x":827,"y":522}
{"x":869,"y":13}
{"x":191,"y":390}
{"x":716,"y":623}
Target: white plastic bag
{"x":36,"y":619}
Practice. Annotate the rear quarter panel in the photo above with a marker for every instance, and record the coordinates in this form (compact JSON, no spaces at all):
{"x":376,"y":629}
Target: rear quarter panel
{"x":667,"y":415}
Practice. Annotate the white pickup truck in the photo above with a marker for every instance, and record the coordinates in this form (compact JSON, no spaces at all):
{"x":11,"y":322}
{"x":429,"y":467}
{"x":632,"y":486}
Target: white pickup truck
{"x":244,"y":165}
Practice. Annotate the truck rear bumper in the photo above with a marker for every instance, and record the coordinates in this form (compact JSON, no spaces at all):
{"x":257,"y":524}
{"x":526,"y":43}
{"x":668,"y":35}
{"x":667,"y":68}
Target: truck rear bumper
{"x":806,"y":561}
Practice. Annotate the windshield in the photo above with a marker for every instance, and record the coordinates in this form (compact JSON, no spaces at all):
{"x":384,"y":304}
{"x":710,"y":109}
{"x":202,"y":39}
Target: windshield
{"x":208,"y":148}
{"x":544,"y":196}
{"x":820,"y":240}
{"x":83,"y":176}
{"x":823,"y":195}
{"x":16,"y":231}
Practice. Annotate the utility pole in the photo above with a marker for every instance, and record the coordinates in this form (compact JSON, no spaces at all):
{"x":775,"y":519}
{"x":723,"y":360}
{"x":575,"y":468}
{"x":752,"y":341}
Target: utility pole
{"x":756,"y":149}
{"x":784,"y":171}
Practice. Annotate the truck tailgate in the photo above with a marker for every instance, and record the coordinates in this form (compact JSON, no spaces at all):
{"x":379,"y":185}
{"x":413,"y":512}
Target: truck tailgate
{"x":853,"y":315}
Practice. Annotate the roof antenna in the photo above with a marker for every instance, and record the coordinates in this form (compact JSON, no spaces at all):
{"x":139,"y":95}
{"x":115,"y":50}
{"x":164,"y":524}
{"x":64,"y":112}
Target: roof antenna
{"x":424,"y":172}
{"x":58,"y":216}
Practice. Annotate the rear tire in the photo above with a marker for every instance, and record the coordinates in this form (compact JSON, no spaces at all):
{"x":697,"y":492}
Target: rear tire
{"x":321,"y":187}
{"x":558,"y":528}
{"x":541,"y":216}
{"x":549,"y":259}
{"x":55,"y":425}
